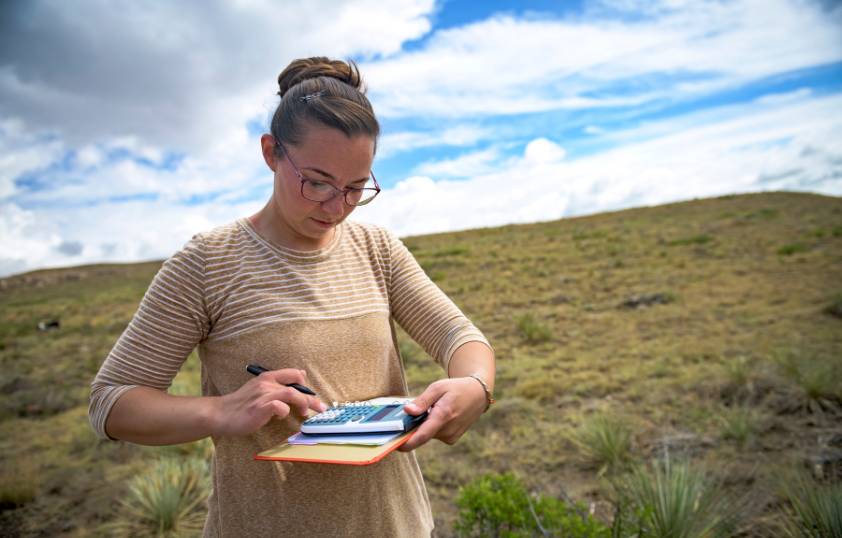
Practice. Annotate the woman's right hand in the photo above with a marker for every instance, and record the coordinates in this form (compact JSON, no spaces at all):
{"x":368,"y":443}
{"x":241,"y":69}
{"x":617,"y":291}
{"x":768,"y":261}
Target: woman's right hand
{"x":250,"y":407}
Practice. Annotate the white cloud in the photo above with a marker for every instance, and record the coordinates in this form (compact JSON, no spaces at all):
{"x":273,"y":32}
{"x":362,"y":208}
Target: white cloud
{"x":465,"y":165}
{"x":149,"y":103}
{"x":505,"y":65}
{"x":22,"y":151}
{"x":542,"y":150}
{"x":792,"y":147}
{"x":458,"y":135}
{"x":175,"y":75}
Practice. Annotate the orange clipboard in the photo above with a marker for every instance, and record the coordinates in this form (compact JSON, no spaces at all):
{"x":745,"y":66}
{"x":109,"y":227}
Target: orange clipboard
{"x":337,"y":454}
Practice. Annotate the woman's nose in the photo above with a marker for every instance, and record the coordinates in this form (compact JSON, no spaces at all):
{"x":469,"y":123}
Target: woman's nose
{"x":336,"y":205}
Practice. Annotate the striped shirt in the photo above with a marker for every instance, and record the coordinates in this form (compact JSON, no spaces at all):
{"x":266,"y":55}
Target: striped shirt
{"x":243,"y":300}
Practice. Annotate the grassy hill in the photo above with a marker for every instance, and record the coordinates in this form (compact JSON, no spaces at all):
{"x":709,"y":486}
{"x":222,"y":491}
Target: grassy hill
{"x":708,"y":330}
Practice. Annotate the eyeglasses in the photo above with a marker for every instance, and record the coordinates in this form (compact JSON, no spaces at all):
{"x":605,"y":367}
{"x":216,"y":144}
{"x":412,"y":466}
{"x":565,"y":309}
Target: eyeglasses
{"x":322,"y":191}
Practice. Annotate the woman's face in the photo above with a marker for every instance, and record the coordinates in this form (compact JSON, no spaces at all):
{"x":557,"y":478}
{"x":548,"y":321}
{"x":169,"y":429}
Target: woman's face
{"x":326,"y":155}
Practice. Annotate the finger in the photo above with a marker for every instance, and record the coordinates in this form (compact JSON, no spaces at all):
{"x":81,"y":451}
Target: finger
{"x":316,"y":404}
{"x":298,"y":402}
{"x":425,"y":400}
{"x":426,"y":431}
{"x":286,"y":376}
{"x":277,"y":408}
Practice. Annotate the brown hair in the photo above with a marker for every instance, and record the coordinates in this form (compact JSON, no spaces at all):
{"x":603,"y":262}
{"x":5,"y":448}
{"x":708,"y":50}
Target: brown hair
{"x":329,"y":92}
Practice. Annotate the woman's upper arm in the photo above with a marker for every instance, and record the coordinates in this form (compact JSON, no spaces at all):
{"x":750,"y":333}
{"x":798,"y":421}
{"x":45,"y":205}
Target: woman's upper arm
{"x":170,"y":321}
{"x":425,"y":312}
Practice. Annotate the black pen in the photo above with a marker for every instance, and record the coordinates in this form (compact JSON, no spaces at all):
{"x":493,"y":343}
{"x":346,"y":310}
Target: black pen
{"x":257,"y":370}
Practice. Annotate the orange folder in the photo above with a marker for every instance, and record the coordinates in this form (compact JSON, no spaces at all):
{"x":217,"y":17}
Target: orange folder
{"x":338,"y":454}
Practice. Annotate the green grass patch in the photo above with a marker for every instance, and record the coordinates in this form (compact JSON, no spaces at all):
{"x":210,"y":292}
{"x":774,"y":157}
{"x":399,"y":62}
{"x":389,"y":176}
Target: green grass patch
{"x":604,"y":441}
{"x":792,"y":248}
{"x":740,"y":424}
{"x":532,"y":330}
{"x":693,"y":240}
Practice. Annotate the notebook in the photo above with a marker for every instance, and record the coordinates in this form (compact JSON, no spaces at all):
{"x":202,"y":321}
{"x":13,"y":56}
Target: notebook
{"x":343,"y":454}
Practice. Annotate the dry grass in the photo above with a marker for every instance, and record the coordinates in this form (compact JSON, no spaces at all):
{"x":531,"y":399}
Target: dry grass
{"x":669,"y":365}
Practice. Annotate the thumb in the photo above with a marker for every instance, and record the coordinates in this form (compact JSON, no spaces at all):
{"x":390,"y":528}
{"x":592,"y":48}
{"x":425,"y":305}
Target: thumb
{"x":425,"y":400}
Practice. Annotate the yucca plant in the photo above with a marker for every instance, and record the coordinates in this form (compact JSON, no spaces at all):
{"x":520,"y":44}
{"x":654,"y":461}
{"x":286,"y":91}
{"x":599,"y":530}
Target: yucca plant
{"x":604,"y":440}
{"x":166,"y":501}
{"x":815,"y":510}
{"x":673,"y":500}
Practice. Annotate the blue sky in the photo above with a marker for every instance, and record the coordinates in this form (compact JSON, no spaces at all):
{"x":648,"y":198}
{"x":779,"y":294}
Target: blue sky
{"x":127,"y":128}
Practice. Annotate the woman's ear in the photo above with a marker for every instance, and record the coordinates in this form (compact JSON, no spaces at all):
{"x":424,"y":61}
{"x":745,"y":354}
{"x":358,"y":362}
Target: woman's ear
{"x":267,"y":146}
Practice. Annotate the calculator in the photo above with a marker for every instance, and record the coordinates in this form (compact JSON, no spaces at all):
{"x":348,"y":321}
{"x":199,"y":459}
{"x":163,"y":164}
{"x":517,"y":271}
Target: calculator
{"x":362,"y":417}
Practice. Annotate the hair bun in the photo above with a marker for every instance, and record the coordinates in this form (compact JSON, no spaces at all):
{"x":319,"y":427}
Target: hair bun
{"x":319,"y":66}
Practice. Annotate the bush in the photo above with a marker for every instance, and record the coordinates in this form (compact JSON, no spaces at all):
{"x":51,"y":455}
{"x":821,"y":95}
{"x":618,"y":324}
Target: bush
{"x":815,"y":510}
{"x":532,"y":330}
{"x":792,"y":248}
{"x":816,"y":376}
{"x":168,"y":500}
{"x":499,"y":506}
{"x":673,"y":501}
{"x":605,"y":441}
{"x":740,"y":424}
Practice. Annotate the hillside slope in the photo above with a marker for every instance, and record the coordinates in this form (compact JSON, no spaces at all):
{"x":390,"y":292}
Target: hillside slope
{"x":670,"y":318}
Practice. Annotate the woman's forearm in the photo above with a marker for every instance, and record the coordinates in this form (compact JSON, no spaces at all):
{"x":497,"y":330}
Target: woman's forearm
{"x":148,"y":416}
{"x":473,"y":358}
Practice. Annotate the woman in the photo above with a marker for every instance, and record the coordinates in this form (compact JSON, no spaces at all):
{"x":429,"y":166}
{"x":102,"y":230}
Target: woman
{"x":312,"y":298}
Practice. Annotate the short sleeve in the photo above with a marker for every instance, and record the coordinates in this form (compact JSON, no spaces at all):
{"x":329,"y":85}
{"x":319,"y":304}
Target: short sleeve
{"x":424,"y":311}
{"x":168,"y":324}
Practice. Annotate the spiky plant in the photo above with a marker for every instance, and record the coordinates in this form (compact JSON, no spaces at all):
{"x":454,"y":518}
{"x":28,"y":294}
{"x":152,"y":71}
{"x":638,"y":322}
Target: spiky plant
{"x":673,"y":500}
{"x":604,"y":440}
{"x":166,"y":501}
{"x":815,"y":510}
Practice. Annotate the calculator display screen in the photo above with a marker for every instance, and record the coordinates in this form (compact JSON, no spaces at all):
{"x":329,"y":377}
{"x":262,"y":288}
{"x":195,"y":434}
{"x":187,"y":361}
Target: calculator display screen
{"x":382,"y":413}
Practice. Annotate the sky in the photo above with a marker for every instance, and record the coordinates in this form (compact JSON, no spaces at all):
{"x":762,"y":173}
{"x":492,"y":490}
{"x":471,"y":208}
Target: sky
{"x":127,"y":127}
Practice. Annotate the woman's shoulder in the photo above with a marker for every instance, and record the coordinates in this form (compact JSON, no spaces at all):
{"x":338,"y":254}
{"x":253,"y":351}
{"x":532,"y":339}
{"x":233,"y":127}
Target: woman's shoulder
{"x":366,"y":229}
{"x":372,"y":235}
{"x":216,"y":242}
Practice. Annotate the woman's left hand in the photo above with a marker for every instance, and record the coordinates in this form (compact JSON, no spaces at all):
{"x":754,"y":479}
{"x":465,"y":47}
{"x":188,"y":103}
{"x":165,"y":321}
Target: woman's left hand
{"x":453,"y":404}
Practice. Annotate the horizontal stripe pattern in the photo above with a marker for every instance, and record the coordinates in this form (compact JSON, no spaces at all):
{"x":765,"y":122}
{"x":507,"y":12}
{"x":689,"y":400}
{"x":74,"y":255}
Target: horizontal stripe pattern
{"x":229,"y":281}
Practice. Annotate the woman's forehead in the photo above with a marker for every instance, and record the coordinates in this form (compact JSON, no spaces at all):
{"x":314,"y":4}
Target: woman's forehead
{"x":330,"y":151}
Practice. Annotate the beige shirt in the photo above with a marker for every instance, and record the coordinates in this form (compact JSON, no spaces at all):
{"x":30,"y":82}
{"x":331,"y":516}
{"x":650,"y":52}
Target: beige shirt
{"x":242,"y":300}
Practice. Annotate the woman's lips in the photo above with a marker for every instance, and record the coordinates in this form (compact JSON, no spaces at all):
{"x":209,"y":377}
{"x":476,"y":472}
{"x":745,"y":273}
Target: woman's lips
{"x":325,"y":223}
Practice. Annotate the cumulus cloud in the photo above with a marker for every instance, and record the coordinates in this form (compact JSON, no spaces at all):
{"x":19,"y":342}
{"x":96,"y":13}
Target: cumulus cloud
{"x":127,"y":128}
{"x":176,"y":75}
{"x":792,"y":147}
{"x":674,"y":51}
{"x":69,"y":248}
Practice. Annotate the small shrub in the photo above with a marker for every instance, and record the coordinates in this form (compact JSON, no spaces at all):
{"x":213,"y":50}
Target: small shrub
{"x":168,"y":500}
{"x":695,"y":240}
{"x":739,"y":371}
{"x":740,"y":424}
{"x":673,"y":501}
{"x":532,"y":330}
{"x":451,"y":251}
{"x":18,"y":484}
{"x":605,"y":441}
{"x":500,"y":506}
{"x":792,"y":248}
{"x":817,"y":377}
{"x":815,"y":510}
{"x":835,"y":306}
